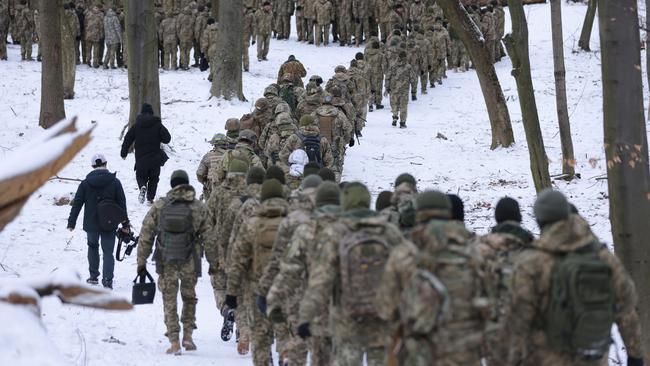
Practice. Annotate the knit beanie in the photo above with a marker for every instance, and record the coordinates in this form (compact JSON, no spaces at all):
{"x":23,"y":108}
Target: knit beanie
{"x":507,"y":210}
{"x":275,"y":172}
{"x":255,"y":175}
{"x":383,"y":200}
{"x":271,"y":188}
{"x":457,"y":207}
{"x":328,"y":194}
{"x":405,"y":177}
{"x":311,"y":168}
{"x":327,"y":174}
{"x":551,"y":206}
{"x":311,"y":181}
{"x":355,"y":196}
{"x":179,"y":177}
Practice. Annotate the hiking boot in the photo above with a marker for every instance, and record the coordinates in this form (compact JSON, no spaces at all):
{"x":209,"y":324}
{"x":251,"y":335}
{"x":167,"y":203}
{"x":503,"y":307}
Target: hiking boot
{"x":174,"y":348}
{"x":108,"y":284}
{"x":379,"y":106}
{"x":188,"y":343}
{"x":92,"y":281}
{"x":243,"y":345}
{"x":402,"y":125}
{"x":370,"y":109}
{"x":143,"y":194}
{"x":413,"y":97}
{"x":394,"y":121}
{"x":424,"y":91}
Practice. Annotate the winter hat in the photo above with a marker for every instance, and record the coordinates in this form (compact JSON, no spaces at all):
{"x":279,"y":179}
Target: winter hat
{"x":248,"y":135}
{"x":383,"y":200}
{"x":327,"y":174}
{"x":339,"y":68}
{"x":358,"y":56}
{"x":328,"y":194}
{"x":271,"y":188}
{"x":255,"y":175}
{"x":98,"y":160}
{"x":312,"y":169}
{"x":355,"y":196}
{"x":507,"y":210}
{"x":551,"y":206}
{"x":434,"y":202}
{"x":275,"y":172}
{"x":311,"y":181}
{"x":405,"y":177}
{"x":291,"y":58}
{"x":238,"y":166}
{"x":457,"y":207}
{"x":306,"y":120}
{"x":179,"y":177}
{"x":146,"y":109}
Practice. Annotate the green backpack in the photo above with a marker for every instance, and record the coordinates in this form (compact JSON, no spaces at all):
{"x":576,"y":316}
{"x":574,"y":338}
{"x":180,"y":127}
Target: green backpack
{"x":423,"y":304}
{"x":176,"y":231}
{"x":581,"y":309}
{"x":287,"y":94}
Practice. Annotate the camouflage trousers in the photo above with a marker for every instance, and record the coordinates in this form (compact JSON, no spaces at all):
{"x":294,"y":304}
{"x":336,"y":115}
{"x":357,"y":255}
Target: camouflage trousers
{"x":453,"y":58}
{"x":424,"y":80}
{"x":414,"y":79}
{"x":491,"y":44}
{"x":68,"y":61}
{"x":345,"y":28}
{"x":310,"y":30}
{"x":399,"y":105}
{"x":25,"y":48}
{"x":284,"y":26}
{"x":3,"y":44}
{"x":348,"y":354}
{"x":296,"y":347}
{"x":320,"y":349}
{"x":420,"y":352}
{"x":322,"y":34}
{"x":245,"y":59}
{"x":384,"y":30}
{"x":361,"y":30}
{"x":439,"y":69}
{"x":111,"y":55}
{"x":301,"y":27}
{"x":262,"y":334}
{"x":263,"y":42}
{"x":170,"y":56}
{"x":185,"y":48}
{"x":168,"y":283}
{"x":376,"y":86}
{"x":197,"y":52}
{"x":94,"y":52}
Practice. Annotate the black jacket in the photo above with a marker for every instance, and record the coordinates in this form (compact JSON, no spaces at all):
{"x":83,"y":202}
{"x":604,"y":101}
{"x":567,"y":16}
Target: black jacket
{"x":98,"y":182}
{"x":147,"y":133}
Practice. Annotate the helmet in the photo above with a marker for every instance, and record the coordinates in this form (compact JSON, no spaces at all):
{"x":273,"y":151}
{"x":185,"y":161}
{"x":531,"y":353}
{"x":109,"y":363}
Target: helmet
{"x":340,"y":68}
{"x":247,"y":135}
{"x":219,"y":139}
{"x":335,"y":91}
{"x":261,"y":104}
{"x":232,"y":124}
{"x":282,"y":108}
{"x":271,"y":89}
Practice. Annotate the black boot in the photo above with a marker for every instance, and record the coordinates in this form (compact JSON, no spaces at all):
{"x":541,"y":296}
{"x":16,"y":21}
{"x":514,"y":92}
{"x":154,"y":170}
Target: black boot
{"x":379,"y":106}
{"x":402,"y":125}
{"x":394,"y":121}
{"x":370,"y":109}
{"x":413,"y":97}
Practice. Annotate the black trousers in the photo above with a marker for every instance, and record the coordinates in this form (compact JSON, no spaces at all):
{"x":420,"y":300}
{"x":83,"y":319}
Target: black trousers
{"x":148,"y":176}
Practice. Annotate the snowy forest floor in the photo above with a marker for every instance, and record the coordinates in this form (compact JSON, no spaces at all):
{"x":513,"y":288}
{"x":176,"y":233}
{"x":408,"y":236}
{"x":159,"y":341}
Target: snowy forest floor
{"x":37,"y":242}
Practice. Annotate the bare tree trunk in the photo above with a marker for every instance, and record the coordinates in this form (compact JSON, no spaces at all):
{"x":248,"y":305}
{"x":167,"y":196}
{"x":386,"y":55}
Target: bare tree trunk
{"x":647,"y":41}
{"x":568,"y":159}
{"x":585,"y":35}
{"x":214,"y":9}
{"x":52,"y":107}
{"x":517,"y":46}
{"x":471,"y":36}
{"x":227,"y":78}
{"x":626,"y":146}
{"x":142,"y":48}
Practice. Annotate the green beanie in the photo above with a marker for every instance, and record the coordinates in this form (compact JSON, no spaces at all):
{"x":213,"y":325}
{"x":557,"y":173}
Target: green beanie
{"x":405,"y":178}
{"x":311,"y":181}
{"x":179,"y":177}
{"x":275,"y":172}
{"x":383,"y":200}
{"x":328,"y":194}
{"x":271,"y":189}
{"x":551,"y":206}
{"x":306,"y":120}
{"x":238,"y":166}
{"x":311,"y":168}
{"x":435,"y":202}
{"x":255,"y":175}
{"x":355,"y":196}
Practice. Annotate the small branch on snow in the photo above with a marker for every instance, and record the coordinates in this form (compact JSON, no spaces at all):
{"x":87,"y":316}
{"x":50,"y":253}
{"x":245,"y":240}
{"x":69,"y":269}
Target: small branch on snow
{"x":12,"y":110}
{"x":179,"y":101}
{"x":56,"y":177}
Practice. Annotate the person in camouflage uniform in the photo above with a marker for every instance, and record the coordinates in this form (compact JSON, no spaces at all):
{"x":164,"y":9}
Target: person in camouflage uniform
{"x":426,"y":49}
{"x":532,"y":288}
{"x":243,"y":150}
{"x":271,"y":93}
{"x":261,"y":116}
{"x":24,"y":29}
{"x":310,"y":19}
{"x":415,"y":59}
{"x":323,"y":16}
{"x":401,"y":201}
{"x":94,"y":33}
{"x":251,"y":252}
{"x":200,"y":23}
{"x":209,"y":44}
{"x":374,"y":58}
{"x":353,"y":335}
{"x":313,"y":100}
{"x":488,"y":28}
{"x":360,"y":75}
{"x":4,"y":28}
{"x":168,"y":33}
{"x":172,"y":272}
{"x":69,"y":33}
{"x":294,"y":68}
{"x":301,"y":21}
{"x":361,"y":10}
{"x":416,"y":13}
{"x":398,"y":79}
{"x":432,"y":291}
{"x":291,"y":282}
{"x":232,"y":127}
{"x":398,"y":19}
{"x":185,"y":23}
{"x":383,"y":12}
{"x":339,"y":130}
{"x":220,"y":144}
{"x":285,"y":10}
{"x":275,"y":134}
{"x":112,"y":37}
{"x":441,"y":45}
{"x":308,"y":128}
{"x":344,"y":12}
{"x":249,"y":31}
{"x":263,"y":28}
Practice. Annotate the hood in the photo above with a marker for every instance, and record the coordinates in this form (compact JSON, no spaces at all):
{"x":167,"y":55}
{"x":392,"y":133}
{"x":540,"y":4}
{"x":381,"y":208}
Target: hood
{"x":147,"y":120}
{"x":273,"y":207}
{"x":566,"y":235}
{"x":515,"y":229}
{"x":100,"y":178}
{"x":309,"y":130}
{"x":183,"y":192}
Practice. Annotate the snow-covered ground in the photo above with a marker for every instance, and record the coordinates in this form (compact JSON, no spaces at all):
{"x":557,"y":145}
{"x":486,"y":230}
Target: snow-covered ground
{"x":37,"y":242}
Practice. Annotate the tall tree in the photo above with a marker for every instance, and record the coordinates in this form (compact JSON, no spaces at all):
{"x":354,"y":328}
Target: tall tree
{"x":227,"y":78}
{"x":142,"y":48}
{"x":568,"y":159}
{"x":52,"y":107}
{"x":626,"y":145}
{"x":517,"y":46}
{"x":214,"y":9}
{"x":471,"y":36}
{"x":587,"y":26}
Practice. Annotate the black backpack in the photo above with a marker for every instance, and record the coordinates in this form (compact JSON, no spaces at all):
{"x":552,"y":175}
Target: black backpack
{"x":109,"y":214}
{"x":311,"y":145}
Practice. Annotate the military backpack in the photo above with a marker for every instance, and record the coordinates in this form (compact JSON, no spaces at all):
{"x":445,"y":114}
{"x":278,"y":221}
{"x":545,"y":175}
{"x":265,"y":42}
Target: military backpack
{"x":311,"y":145}
{"x":266,"y":231}
{"x":176,"y":231}
{"x":580,"y":313}
{"x":423,"y":303}
{"x":287,"y":94}
{"x":326,"y":126}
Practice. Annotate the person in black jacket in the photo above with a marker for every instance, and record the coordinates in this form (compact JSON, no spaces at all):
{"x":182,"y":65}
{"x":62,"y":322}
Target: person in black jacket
{"x":98,"y":183}
{"x":147,"y":133}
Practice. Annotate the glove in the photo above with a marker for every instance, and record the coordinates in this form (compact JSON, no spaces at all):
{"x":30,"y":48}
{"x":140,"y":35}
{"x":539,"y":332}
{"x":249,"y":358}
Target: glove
{"x":260,"y":301}
{"x":351,"y":141}
{"x":231,"y":302}
{"x":276,"y":316}
{"x":303,"y":331}
{"x":142,"y":269}
{"x":631,"y":361}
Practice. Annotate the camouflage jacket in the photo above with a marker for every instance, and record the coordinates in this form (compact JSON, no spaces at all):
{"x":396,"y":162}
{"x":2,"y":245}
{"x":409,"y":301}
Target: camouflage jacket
{"x":168,"y":31}
{"x":531,"y":291}
{"x":324,"y":12}
{"x":200,"y":23}
{"x":69,"y":28}
{"x":248,"y":259}
{"x":488,"y":26}
{"x":361,"y":10}
{"x":263,"y":22}
{"x":250,"y":203}
{"x":295,"y":69}
{"x":295,"y":142}
{"x":185,"y":23}
{"x":209,"y":41}
{"x":383,"y":10}
{"x":201,"y":225}
{"x":209,"y":163}
{"x":310,"y":9}
{"x":500,"y":20}
{"x":441,"y":44}
{"x":416,"y":13}
{"x":275,"y":134}
{"x":94,"y":23}
{"x":112,"y":28}
{"x":427,"y":50}
{"x":309,"y":105}
{"x":374,"y":58}
{"x":342,"y":130}
{"x":399,"y":78}
{"x":243,"y":152}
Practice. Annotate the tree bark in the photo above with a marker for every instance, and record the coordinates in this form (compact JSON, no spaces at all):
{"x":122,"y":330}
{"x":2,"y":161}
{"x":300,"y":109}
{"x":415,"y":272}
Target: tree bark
{"x":626,"y":145}
{"x":214,"y":9}
{"x":471,"y":36}
{"x":227,"y":78}
{"x":517,"y":46}
{"x":52,"y":107}
{"x":142,"y":48}
{"x":568,"y":159}
{"x":585,"y":35}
